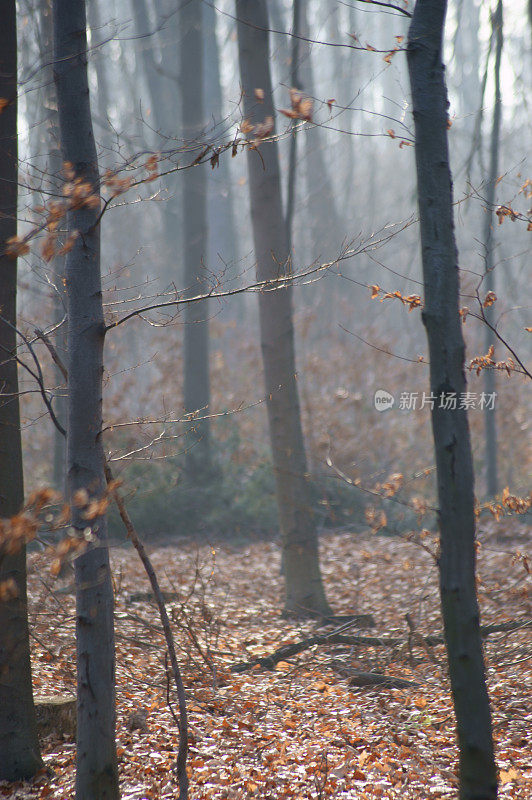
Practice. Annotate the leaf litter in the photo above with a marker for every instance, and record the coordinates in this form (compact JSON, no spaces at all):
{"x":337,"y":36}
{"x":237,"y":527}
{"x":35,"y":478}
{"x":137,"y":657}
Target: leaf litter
{"x":300,"y":730}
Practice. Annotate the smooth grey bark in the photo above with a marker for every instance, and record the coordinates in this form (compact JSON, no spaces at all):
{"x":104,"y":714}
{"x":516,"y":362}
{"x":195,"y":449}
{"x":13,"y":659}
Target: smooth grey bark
{"x":97,"y":771}
{"x":324,"y":222}
{"x":294,"y":84}
{"x":19,"y":747}
{"x":196,"y":335}
{"x":100,"y":62}
{"x":478,"y":775}
{"x":488,"y":240}
{"x":221,"y":233}
{"x":54,"y":167}
{"x":466,"y":52}
{"x":156,"y":47}
{"x":304,"y":593}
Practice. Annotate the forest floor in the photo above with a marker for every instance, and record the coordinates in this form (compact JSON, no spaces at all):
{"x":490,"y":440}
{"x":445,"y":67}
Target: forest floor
{"x":300,"y":730}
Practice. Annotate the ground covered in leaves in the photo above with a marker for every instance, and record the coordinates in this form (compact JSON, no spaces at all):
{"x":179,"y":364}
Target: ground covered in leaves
{"x":300,"y":730}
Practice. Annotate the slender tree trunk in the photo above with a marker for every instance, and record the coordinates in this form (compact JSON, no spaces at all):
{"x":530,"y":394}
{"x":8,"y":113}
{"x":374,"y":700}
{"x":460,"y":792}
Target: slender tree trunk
{"x":54,"y":167}
{"x":100,"y":63}
{"x":478,"y":777}
{"x":221,"y":238}
{"x":19,"y":747}
{"x":196,"y":345}
{"x":324,"y":222}
{"x":294,"y":84}
{"x":159,"y":37}
{"x":488,"y":238}
{"x":97,"y":772}
{"x":303,"y":585}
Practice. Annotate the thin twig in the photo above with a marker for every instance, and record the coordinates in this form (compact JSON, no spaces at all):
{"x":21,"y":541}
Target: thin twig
{"x":181,"y":763}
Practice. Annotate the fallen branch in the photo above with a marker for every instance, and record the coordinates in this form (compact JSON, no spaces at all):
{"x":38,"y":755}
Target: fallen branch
{"x":181,"y":763}
{"x":378,"y":679}
{"x":357,"y":678}
{"x":288,"y":650}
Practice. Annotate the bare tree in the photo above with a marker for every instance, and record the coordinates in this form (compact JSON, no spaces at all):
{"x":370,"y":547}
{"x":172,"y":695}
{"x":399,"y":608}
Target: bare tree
{"x":19,"y":747}
{"x":488,"y":239}
{"x":304,"y":591}
{"x":54,"y":165}
{"x":196,"y":345}
{"x":478,"y":776}
{"x":97,"y":771}
{"x":222,"y":239}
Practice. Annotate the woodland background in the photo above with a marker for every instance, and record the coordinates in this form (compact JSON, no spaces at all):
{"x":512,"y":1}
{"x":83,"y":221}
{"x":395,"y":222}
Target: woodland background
{"x":307,"y":726}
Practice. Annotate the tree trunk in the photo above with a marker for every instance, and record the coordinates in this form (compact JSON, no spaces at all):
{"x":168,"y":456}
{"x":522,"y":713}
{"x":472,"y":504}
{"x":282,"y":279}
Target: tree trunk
{"x":159,"y":37}
{"x":100,"y":62}
{"x":294,"y":84}
{"x":196,"y":345}
{"x":221,"y":233}
{"x":478,"y":777}
{"x":324,"y":222}
{"x":19,"y":747}
{"x":304,"y":593}
{"x":97,"y":771}
{"x":488,"y":238}
{"x":54,"y":167}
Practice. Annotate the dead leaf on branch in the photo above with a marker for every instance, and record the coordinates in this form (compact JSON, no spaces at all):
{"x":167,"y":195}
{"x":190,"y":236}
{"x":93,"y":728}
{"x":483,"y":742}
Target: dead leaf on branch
{"x":263,"y":129}
{"x":16,"y":246}
{"x":489,"y":300}
{"x":505,"y":211}
{"x":301,"y":106}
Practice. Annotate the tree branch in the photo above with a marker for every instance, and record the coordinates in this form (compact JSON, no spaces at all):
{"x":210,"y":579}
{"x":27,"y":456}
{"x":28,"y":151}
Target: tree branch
{"x":181,"y":763}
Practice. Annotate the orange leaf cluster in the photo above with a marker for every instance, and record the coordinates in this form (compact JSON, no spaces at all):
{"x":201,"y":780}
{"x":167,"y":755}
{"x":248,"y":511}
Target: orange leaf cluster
{"x":391,"y":486}
{"x":488,"y":362}
{"x":49,"y":247}
{"x":118,"y":185}
{"x":526,"y":188}
{"x":375,"y":518}
{"x":18,"y":530}
{"x":80,"y":193}
{"x":505,"y":211}
{"x":16,"y":246}
{"x":66,"y":549}
{"x":420,"y":506}
{"x":152,"y":167}
{"x":509,"y":503}
{"x":411,"y":300}
{"x":259,"y":131}
{"x":301,"y":106}
{"x":388,"y":57}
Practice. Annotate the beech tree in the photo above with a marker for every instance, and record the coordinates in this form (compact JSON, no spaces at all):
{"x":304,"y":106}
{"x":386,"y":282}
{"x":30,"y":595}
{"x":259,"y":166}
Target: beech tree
{"x":452,"y":445}
{"x":488,"y":239}
{"x":97,"y":772}
{"x":54,"y":169}
{"x":304,"y":591}
{"x":19,"y":746}
{"x":196,"y":344}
